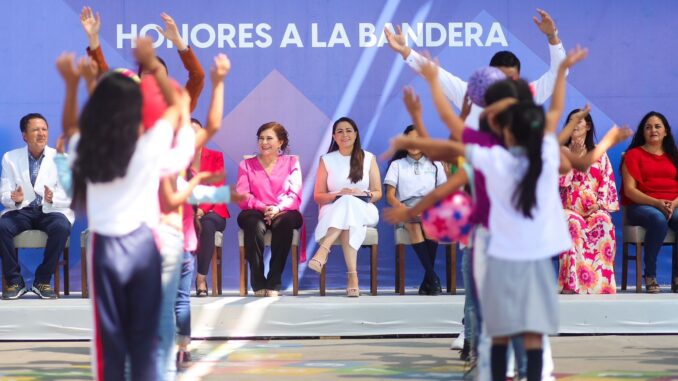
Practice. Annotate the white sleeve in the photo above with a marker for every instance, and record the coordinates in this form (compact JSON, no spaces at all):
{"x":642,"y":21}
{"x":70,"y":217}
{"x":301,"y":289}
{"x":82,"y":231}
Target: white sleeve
{"x":550,"y":152}
{"x":453,"y":87}
{"x":392,"y":173}
{"x":480,"y":158}
{"x":179,"y":157}
{"x":7,"y":182}
{"x":543,"y":87}
{"x":441,"y":176}
{"x":157,"y":141}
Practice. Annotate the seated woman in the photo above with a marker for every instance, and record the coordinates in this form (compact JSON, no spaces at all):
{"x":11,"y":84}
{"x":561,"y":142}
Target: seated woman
{"x":650,"y":190}
{"x":210,"y":218}
{"x":271,"y":184}
{"x":409,"y":178}
{"x":588,"y":198}
{"x":347,"y":185}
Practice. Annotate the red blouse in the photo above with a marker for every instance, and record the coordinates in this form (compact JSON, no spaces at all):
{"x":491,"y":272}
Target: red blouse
{"x":655,"y":175}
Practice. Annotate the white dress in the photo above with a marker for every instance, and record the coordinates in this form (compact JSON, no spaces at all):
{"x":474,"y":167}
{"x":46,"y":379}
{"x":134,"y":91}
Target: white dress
{"x":347,"y":212}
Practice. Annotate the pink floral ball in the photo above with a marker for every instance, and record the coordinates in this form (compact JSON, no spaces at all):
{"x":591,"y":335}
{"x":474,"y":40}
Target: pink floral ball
{"x":480,"y":81}
{"x":448,"y":220}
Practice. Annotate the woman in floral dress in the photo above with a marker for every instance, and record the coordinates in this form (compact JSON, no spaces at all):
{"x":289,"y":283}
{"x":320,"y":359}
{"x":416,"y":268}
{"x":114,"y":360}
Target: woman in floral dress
{"x":588,"y":198}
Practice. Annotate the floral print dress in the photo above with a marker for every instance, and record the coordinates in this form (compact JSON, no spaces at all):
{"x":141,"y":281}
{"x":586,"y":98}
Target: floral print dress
{"x":588,"y":198}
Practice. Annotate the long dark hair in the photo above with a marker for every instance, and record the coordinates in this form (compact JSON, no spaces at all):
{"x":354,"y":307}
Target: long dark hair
{"x":403,"y":152}
{"x":357,"y":155}
{"x":526,"y":123}
{"x":668,"y":144}
{"x":590,"y":139}
{"x":279,"y":131}
{"x":109,"y":130}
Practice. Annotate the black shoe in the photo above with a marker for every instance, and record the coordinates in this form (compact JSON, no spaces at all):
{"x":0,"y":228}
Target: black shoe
{"x":424,"y":288}
{"x":43,"y":290}
{"x":200,"y":292}
{"x":434,"y":287}
{"x":14,"y":291}
{"x":183,"y":359}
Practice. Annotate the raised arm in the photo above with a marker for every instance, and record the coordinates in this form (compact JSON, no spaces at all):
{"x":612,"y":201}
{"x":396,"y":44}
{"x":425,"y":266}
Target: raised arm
{"x":413,"y":106}
{"x":577,"y":117}
{"x":196,"y":74}
{"x":145,"y":56}
{"x":558,"y":100}
{"x":454,"y":123}
{"x":401,"y":213}
{"x":543,"y":87}
{"x":71,"y":76}
{"x":219,"y":71}
{"x":91,"y":25}
{"x":434,"y":149}
{"x":613,"y":137}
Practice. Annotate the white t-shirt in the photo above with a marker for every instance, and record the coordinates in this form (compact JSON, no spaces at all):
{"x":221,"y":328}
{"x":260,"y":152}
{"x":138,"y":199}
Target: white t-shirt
{"x":118,"y":207}
{"x":514,"y":236}
{"x":414,"y":178}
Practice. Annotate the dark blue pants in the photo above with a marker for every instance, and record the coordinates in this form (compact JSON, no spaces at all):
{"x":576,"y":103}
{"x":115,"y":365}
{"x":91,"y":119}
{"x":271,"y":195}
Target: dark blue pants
{"x":127,"y":292}
{"x":12,"y":223}
{"x":656,"y":226}
{"x":182,"y":306}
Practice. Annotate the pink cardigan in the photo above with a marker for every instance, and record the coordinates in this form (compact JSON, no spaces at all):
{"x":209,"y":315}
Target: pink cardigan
{"x":282,"y":188}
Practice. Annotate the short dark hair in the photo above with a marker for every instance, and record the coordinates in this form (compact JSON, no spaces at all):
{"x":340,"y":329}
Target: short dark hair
{"x":23,"y":123}
{"x":505,"y":58}
{"x":140,"y":69}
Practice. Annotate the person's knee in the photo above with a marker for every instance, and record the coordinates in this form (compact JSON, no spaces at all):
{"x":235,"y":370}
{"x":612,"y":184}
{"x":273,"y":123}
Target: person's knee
{"x":6,"y":226}
{"x":60,"y":227}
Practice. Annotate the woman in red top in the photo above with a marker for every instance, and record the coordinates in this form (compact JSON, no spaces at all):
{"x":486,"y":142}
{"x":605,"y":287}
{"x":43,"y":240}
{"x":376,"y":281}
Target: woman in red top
{"x":211,"y":217}
{"x":650,"y":190}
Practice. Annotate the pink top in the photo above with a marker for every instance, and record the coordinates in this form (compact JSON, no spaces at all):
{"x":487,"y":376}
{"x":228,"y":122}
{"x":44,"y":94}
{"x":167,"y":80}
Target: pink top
{"x":281,"y":188}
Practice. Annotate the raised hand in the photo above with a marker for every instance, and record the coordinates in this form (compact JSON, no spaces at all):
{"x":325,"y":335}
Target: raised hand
{"x":17,"y":195}
{"x":617,"y":135}
{"x":220,"y":68}
{"x":145,"y":54}
{"x":89,"y":69}
{"x":573,"y":56}
{"x":412,"y":102}
{"x":547,"y":26}
{"x":397,"y":41}
{"x":65,"y":64}
{"x":429,"y":70}
{"x":91,"y":25}
{"x":171,"y":32}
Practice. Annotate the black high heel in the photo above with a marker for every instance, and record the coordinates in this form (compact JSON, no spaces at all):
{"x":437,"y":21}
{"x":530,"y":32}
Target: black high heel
{"x":199,"y":292}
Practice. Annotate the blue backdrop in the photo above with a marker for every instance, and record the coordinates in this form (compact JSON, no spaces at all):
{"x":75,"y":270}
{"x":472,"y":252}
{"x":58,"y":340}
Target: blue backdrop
{"x":305,"y":63}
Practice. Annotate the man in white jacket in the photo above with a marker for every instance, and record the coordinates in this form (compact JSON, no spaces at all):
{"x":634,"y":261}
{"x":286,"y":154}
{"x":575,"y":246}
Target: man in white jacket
{"x":455,"y":88}
{"x":33,"y":199}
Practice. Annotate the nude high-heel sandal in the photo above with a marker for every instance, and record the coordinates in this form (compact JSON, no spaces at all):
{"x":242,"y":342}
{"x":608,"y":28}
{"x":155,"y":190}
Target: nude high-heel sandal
{"x":352,"y":292}
{"x":315,"y":264}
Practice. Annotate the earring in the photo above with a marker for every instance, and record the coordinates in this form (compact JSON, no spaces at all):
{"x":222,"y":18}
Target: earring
{"x":280,"y":152}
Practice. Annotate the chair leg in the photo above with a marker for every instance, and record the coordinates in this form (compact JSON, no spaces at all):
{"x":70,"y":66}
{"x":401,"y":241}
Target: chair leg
{"x":373,"y":269}
{"x":67,"y":277}
{"x":83,"y":273}
{"x":214,"y":273}
{"x":295,"y":270}
{"x":639,"y":266}
{"x":397,"y":269}
{"x":448,"y":268}
{"x":57,"y":279}
{"x":453,"y":268}
{"x":323,"y":276}
{"x":220,"y":269}
{"x":400,"y":269}
{"x":243,"y":272}
{"x":625,"y":265}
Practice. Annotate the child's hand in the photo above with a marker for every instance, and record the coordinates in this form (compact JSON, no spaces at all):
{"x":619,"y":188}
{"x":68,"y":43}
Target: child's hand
{"x":65,"y":64}
{"x":220,"y":68}
{"x":145,"y":54}
{"x":211,"y":177}
{"x":581,"y":114}
{"x":89,"y":69}
{"x":412,"y":102}
{"x":61,"y":144}
{"x":573,"y":56}
{"x":235,"y":196}
{"x":396,"y":215}
{"x":617,"y":135}
{"x":429,"y":70}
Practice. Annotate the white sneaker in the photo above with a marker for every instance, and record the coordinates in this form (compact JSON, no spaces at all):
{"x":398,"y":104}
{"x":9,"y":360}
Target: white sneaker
{"x":458,"y":342}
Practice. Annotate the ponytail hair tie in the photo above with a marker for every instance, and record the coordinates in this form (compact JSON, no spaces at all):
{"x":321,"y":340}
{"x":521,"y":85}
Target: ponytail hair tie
{"x":535,"y":125}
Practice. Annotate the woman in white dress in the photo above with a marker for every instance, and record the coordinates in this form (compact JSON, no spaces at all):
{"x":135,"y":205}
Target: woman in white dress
{"x":347,"y":185}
